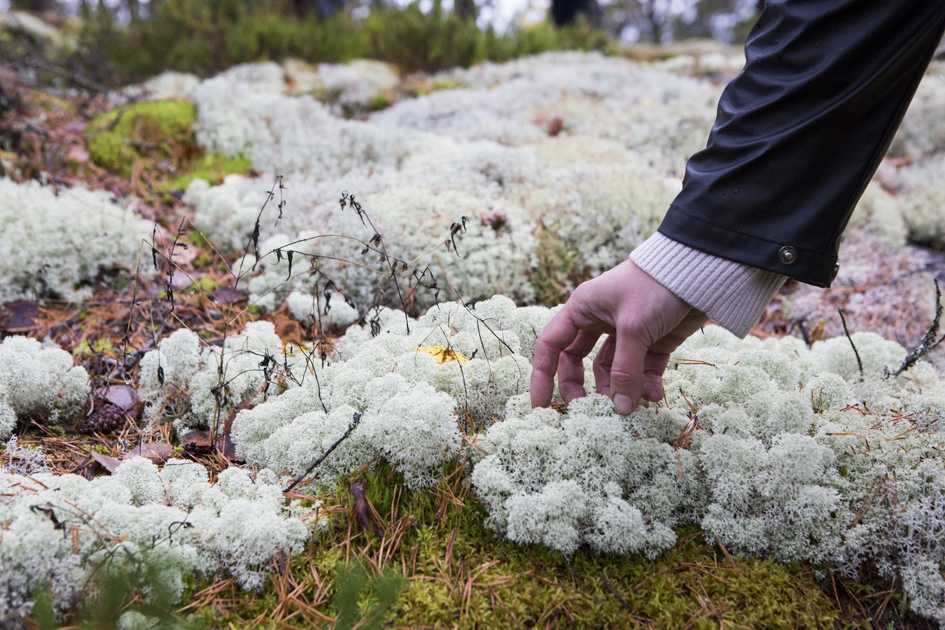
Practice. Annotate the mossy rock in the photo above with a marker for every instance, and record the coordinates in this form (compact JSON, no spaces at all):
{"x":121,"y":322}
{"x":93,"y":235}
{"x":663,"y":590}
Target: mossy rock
{"x":212,"y":168}
{"x":124,"y":135}
{"x":151,"y":133}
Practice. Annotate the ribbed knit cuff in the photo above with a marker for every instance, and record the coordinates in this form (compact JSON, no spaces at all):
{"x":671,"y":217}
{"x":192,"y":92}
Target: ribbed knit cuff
{"x":730,"y":293}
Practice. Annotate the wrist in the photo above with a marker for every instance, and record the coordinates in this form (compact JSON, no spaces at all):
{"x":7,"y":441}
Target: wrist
{"x":732,"y":294}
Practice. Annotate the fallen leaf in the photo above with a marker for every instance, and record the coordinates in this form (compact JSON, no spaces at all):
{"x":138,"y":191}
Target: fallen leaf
{"x":286,"y":327}
{"x":21,"y":318}
{"x":443,"y":354}
{"x":197,"y":440}
{"x":817,"y":332}
{"x":77,"y":153}
{"x":362,"y":510}
{"x":555,"y":125}
{"x":226,"y":296}
{"x":108,"y":463}
{"x":225,"y":445}
{"x":158,"y":451}
{"x":123,"y":396}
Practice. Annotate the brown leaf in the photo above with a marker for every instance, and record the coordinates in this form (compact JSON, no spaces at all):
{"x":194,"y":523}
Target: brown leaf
{"x":155,"y":451}
{"x":124,"y":396}
{"x":21,"y":318}
{"x":107,"y":462}
{"x":198,"y":440}
{"x":817,"y":332}
{"x":226,"y":296}
{"x":77,"y":153}
{"x":286,"y":327}
{"x":225,"y":445}
{"x":362,"y":510}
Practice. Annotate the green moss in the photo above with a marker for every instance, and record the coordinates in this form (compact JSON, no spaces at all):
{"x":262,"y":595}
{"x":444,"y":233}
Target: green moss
{"x":203,"y":259}
{"x":459,"y":573}
{"x":212,"y":168}
{"x":122,"y":136}
{"x":205,"y":285}
{"x":97,"y":346}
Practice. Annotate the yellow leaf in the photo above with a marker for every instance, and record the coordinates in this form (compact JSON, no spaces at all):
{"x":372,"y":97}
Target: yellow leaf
{"x":443,"y":354}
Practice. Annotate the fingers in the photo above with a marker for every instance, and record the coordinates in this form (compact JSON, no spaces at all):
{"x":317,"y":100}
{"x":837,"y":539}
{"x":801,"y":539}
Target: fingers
{"x":557,"y":335}
{"x":626,"y":372}
{"x":653,"y":367}
{"x":571,"y":365}
{"x":603,"y":363}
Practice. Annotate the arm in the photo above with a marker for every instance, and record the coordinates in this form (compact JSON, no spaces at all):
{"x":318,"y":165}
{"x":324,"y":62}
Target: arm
{"x":801,"y":130}
{"x":799,"y":134}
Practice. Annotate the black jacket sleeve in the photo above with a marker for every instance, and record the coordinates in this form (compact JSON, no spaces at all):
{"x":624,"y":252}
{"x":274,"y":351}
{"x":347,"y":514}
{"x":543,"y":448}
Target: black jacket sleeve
{"x":801,"y":130}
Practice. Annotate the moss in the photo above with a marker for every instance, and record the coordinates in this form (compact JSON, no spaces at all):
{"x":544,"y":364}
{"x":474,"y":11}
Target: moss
{"x":203,"y":259}
{"x":204,"y":284}
{"x":122,"y":136}
{"x":212,"y":168}
{"x":459,"y":573}
{"x":97,"y":346}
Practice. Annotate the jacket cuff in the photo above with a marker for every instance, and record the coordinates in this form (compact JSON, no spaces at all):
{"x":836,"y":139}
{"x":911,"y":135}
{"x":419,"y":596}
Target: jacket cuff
{"x":731,"y":294}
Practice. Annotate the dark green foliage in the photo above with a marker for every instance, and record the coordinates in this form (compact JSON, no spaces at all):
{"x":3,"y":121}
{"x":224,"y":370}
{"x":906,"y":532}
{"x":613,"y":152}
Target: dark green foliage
{"x":207,"y":36}
{"x":362,"y":599}
{"x":123,"y":583}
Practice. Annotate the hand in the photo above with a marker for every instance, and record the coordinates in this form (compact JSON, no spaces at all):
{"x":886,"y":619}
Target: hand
{"x":643,"y":321}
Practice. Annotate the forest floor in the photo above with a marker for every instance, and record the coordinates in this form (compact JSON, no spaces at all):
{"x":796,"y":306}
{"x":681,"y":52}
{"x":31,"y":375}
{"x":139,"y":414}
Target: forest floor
{"x":450,"y":570}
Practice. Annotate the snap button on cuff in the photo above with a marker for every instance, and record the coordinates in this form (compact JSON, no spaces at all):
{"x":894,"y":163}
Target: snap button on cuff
{"x":787,"y":255}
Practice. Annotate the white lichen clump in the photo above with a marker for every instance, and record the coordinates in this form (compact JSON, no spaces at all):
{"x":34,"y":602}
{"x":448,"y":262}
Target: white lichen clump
{"x":38,"y":379}
{"x":416,"y":394}
{"x":60,"y":241}
{"x":56,"y":530}
{"x":191,"y":385}
{"x":771,"y":448}
{"x":575,"y":148}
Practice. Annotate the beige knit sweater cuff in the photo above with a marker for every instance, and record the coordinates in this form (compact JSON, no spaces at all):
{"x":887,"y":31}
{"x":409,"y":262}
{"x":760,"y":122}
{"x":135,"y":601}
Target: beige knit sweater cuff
{"x":730,"y":293}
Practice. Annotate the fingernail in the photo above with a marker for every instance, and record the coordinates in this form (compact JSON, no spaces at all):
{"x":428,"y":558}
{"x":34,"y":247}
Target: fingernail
{"x":623,"y":404}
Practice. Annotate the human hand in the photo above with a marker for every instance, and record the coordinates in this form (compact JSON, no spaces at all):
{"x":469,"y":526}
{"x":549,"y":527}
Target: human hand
{"x":643,"y":321}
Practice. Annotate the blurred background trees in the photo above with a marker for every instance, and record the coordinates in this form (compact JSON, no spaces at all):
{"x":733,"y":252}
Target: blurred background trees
{"x":125,"y":40}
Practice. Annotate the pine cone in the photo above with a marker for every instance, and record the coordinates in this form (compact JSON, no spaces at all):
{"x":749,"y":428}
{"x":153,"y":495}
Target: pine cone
{"x":104,"y":419}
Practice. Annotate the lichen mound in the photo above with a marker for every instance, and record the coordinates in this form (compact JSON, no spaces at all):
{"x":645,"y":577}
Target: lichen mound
{"x":196,"y":386}
{"x":414,"y":409}
{"x":771,"y":448}
{"x":58,"y":241}
{"x":173,"y":518}
{"x":38,"y":379}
